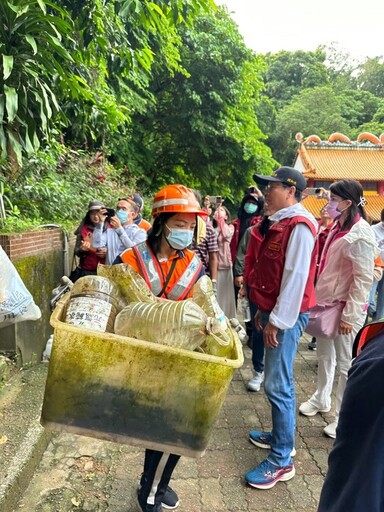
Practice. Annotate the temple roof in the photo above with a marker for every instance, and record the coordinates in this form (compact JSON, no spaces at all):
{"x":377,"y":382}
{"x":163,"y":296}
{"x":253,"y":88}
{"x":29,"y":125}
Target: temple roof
{"x":338,"y":157}
{"x":373,"y":207}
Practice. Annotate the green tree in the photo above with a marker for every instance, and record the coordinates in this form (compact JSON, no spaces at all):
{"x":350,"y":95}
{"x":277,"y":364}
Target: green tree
{"x":288,"y":73}
{"x":357,"y":107}
{"x":120,"y":42}
{"x":85,"y":65}
{"x":371,"y":76}
{"x":203,"y":129}
{"x":311,"y":111}
{"x":341,"y":67}
{"x":34,"y":36}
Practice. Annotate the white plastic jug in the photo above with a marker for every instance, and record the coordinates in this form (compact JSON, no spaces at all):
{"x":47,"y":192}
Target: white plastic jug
{"x":93,"y":304}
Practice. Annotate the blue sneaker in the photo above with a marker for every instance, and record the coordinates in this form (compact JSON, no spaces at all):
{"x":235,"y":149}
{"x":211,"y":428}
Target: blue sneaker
{"x":260,"y":439}
{"x":263,"y":440}
{"x":266,"y":475}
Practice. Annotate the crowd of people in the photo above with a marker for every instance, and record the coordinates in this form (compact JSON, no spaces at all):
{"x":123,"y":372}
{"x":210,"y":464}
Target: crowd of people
{"x":276,"y":256}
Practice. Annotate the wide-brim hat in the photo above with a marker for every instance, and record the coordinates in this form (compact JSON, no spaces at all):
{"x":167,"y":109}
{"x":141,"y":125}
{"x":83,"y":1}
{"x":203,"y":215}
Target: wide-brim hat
{"x":95,"y":205}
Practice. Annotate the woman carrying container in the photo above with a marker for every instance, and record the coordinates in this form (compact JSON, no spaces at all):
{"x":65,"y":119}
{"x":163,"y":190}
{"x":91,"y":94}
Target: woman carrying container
{"x":345,"y":275}
{"x":170,"y":270}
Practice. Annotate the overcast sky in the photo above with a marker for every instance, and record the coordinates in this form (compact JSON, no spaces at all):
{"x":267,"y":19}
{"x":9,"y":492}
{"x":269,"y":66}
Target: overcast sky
{"x":292,"y":25}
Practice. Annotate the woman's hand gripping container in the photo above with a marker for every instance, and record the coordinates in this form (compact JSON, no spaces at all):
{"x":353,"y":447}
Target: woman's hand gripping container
{"x":132,"y":391}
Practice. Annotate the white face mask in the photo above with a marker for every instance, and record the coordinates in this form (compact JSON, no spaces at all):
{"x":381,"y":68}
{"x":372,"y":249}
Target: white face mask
{"x":179,"y":238}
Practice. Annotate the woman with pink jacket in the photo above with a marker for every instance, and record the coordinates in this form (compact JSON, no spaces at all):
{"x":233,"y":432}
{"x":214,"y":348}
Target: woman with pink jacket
{"x":345,"y":275}
{"x":225,"y":230}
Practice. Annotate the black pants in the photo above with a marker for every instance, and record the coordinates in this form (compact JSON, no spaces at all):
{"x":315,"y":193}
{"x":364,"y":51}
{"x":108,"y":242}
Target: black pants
{"x":80,"y":272}
{"x":158,"y":469}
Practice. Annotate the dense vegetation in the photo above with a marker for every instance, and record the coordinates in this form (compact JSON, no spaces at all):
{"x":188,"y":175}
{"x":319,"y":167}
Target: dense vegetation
{"x":99,"y":98}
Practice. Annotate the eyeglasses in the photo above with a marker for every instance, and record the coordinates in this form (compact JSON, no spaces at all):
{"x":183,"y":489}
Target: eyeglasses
{"x":270,"y":188}
{"x":131,"y":201}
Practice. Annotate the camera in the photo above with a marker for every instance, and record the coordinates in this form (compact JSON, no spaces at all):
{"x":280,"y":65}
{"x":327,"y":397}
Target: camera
{"x":320,"y":192}
{"x":312,"y":191}
{"x":215,"y":200}
{"x":110,"y":213}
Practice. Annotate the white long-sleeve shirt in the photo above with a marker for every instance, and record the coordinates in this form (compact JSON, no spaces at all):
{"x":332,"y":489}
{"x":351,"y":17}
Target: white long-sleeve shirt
{"x":378,"y":230}
{"x":296,"y":269}
{"x":117,"y":240}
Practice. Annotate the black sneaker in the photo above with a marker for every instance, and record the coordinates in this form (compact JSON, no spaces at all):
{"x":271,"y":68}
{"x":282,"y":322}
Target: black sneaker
{"x":143,"y":505}
{"x":312,"y":344}
{"x":170,"y":499}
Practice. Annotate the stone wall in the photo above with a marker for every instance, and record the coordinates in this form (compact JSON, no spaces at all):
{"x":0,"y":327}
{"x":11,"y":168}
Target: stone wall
{"x":41,"y":257}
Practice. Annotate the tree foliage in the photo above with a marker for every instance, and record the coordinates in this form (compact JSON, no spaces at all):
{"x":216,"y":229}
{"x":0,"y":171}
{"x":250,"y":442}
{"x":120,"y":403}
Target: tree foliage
{"x":371,"y":76}
{"x":342,"y":94}
{"x":34,"y":58}
{"x":203,"y":128}
{"x":316,"y":111}
{"x":288,"y":73}
{"x":168,"y":91}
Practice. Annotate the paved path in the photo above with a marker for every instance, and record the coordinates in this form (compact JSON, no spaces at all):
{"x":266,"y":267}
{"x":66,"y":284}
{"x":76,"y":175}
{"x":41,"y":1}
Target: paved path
{"x":85,"y":474}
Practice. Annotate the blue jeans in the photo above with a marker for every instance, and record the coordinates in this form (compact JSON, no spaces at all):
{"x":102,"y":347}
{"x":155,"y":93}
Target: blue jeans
{"x":257,"y":342}
{"x":280,"y":389}
{"x":377,"y":304}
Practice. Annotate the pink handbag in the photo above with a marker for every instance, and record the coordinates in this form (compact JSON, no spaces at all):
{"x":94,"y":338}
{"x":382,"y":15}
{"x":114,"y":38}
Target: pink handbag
{"x":324,"y":320}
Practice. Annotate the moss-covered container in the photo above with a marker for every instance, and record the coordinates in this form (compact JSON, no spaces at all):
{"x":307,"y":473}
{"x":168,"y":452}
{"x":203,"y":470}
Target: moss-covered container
{"x":132,"y":391}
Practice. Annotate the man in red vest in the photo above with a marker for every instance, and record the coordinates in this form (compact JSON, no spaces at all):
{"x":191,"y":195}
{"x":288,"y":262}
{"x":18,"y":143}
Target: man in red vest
{"x":283,"y":289}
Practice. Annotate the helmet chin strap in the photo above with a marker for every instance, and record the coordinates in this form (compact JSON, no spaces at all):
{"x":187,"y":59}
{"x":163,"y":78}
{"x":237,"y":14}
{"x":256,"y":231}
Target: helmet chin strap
{"x":173,"y":248}
{"x":166,"y":239}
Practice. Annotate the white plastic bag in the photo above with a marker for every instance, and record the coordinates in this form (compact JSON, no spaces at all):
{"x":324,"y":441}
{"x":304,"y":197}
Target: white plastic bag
{"x":16,"y":302}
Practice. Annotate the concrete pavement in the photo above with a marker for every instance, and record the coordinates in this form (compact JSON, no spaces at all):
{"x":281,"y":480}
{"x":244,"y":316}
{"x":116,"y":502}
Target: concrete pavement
{"x":85,"y":474}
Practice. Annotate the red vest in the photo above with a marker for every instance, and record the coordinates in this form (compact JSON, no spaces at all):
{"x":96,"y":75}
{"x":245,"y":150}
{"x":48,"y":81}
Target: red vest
{"x":251,"y":255}
{"x":235,"y":240}
{"x":269,"y":266}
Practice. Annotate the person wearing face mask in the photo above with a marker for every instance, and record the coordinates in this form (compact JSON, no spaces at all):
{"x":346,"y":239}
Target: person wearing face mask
{"x":345,"y":274}
{"x":224,"y":230}
{"x":170,"y":270}
{"x":122,"y":233}
{"x":249,"y":213}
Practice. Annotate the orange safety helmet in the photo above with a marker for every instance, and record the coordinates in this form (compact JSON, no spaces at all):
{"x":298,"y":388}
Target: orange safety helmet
{"x":175,"y":199}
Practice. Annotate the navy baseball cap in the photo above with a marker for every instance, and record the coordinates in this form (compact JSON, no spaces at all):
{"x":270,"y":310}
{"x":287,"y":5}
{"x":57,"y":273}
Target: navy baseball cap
{"x":138,"y":200}
{"x":286,"y":175}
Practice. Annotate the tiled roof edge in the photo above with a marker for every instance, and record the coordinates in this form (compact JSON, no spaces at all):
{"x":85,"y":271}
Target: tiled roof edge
{"x":339,"y":139}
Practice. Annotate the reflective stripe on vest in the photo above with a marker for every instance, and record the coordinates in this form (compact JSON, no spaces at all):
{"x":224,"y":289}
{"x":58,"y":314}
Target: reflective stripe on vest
{"x":152,"y":274}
